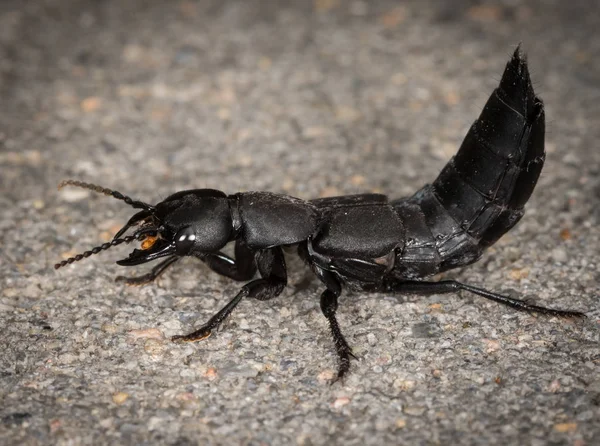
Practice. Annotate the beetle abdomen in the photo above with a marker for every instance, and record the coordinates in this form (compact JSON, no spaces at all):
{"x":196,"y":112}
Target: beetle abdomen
{"x":485,"y":186}
{"x":480,"y":193}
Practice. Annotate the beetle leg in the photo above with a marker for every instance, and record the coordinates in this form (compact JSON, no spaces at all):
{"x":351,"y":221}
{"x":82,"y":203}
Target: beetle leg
{"x":329,"y":305}
{"x":451,"y":286}
{"x":271,"y":265}
{"x":151,"y":276}
{"x":241,"y":269}
{"x":206,"y":330}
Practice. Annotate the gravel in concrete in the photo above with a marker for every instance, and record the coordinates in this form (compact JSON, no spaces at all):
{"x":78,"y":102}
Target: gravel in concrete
{"x":311,"y":99}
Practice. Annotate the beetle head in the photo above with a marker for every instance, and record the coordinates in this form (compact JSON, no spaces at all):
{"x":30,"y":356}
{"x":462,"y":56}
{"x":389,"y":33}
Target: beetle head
{"x":186,"y":223}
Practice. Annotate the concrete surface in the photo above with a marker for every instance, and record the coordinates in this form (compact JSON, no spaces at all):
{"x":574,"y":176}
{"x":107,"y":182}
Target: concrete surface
{"x":310,"y":98}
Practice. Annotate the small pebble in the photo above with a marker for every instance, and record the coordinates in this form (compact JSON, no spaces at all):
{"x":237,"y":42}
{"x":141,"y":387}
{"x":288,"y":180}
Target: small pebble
{"x":565,"y":234}
{"x":147,"y":333}
{"x":55,"y":425}
{"x":403,"y":384}
{"x":71,"y":194}
{"x":38,"y":204}
{"x":371,"y":339}
{"x":91,"y":104}
{"x":210,"y":374}
{"x":554,"y":386}
{"x":120,"y":397}
{"x":414,"y":410}
{"x":154,"y":347}
{"x":185,"y":396}
{"x":559,"y":255}
{"x":491,"y":345}
{"x":326,"y":376}
{"x":565,"y":427}
{"x":109,"y":328}
{"x":341,"y":402}
{"x":519,"y":273}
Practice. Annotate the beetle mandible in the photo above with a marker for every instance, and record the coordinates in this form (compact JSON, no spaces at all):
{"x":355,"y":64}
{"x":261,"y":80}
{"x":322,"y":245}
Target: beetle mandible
{"x":363,"y":242}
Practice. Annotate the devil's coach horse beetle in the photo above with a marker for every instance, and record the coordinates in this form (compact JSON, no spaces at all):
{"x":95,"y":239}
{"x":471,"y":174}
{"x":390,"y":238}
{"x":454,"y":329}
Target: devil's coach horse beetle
{"x":364,"y":242}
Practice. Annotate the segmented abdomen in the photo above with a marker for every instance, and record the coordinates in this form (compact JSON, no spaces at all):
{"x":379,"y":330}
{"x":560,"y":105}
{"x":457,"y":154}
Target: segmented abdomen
{"x":480,"y":193}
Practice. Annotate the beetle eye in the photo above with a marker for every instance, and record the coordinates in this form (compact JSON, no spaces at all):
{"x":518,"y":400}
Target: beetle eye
{"x":184,"y":241}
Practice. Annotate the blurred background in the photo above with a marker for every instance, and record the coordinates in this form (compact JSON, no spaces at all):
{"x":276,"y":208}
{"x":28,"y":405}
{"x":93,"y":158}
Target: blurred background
{"x":309,"y":98}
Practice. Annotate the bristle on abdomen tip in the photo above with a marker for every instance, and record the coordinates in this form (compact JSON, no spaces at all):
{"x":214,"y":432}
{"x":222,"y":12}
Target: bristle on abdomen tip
{"x":519,"y":53}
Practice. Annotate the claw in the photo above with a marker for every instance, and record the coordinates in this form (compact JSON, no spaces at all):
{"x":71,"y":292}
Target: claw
{"x":571,"y":314}
{"x":565,"y":314}
{"x":344,"y":365}
{"x":134,"y":281}
{"x":197,"y":335}
{"x":340,"y":376}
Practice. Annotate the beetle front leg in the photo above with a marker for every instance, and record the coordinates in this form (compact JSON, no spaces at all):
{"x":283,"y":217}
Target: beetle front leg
{"x":149,"y":277}
{"x":241,"y":269}
{"x":271,"y":265}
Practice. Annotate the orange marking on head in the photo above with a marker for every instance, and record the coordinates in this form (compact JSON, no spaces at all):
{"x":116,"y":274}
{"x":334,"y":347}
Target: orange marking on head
{"x":149,"y":242}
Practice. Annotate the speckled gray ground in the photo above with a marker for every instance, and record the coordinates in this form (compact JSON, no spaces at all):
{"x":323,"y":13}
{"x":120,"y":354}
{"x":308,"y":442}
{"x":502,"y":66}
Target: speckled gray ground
{"x":312,"y":99}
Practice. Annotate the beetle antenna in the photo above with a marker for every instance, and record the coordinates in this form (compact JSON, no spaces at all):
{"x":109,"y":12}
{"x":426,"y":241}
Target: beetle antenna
{"x":95,"y":250}
{"x":103,"y":190}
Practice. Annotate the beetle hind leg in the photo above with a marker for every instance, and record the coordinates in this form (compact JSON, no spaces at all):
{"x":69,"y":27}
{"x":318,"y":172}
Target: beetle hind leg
{"x":452,"y":286}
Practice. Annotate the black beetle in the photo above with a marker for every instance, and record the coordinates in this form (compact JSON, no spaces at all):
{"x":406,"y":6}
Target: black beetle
{"x":364,"y":242}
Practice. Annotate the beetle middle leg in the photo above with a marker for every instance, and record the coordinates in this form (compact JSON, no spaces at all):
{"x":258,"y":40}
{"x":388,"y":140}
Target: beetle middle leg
{"x":452,"y":286}
{"x":329,"y":305}
{"x":271,"y":265}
